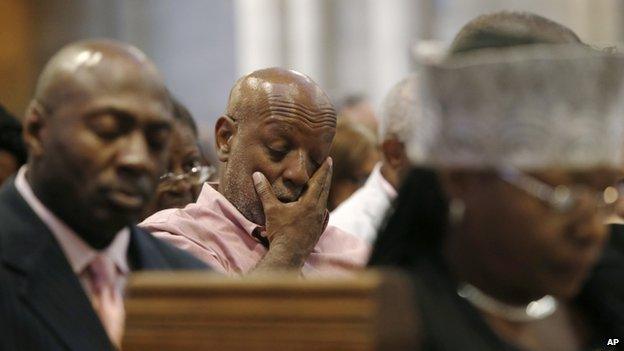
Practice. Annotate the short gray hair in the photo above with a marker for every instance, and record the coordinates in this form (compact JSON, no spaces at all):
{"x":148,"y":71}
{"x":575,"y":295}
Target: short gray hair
{"x":400,"y":106}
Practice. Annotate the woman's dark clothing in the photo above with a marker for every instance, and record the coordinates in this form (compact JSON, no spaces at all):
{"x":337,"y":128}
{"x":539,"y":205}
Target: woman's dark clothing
{"x":412,"y":239}
{"x":452,"y":323}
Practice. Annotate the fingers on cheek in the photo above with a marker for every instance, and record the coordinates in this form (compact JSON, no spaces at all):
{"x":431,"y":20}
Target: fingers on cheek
{"x":258,"y":179}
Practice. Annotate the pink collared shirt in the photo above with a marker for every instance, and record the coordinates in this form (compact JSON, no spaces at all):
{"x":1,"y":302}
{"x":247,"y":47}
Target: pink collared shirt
{"x":214,"y":231}
{"x":364,"y":211}
{"x":78,"y":253}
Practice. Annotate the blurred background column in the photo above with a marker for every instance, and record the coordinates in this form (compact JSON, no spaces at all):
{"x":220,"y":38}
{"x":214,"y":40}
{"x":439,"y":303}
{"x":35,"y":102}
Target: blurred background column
{"x":391,"y":33}
{"x":193,"y":44}
{"x":348,"y":66}
{"x":305,"y":35}
{"x":259,"y":39}
{"x":202,"y":46}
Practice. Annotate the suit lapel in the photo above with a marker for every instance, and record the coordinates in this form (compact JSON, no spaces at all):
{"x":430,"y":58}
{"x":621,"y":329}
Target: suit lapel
{"x":48,"y":286}
{"x":55,"y":295}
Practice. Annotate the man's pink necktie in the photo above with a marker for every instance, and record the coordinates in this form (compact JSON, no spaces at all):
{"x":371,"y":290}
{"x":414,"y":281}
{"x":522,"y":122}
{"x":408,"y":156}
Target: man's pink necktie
{"x":106,"y":297}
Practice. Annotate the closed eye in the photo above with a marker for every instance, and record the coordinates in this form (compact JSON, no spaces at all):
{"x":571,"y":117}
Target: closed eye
{"x":276,"y":154}
{"x":110,"y":125}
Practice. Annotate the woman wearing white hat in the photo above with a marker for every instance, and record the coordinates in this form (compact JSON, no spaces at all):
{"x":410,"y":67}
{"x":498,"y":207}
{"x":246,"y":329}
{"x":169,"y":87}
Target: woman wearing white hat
{"x":501,"y":221}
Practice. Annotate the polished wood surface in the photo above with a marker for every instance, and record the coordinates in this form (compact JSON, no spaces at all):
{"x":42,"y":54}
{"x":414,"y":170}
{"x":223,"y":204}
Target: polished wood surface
{"x":201,"y":311}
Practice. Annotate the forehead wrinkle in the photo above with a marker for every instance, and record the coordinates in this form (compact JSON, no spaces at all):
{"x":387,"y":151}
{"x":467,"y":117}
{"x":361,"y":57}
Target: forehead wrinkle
{"x":322,"y":106}
{"x":328,"y":122}
{"x":290,"y":110}
{"x":258,"y":94}
{"x":303,"y":110}
{"x":287,"y":123}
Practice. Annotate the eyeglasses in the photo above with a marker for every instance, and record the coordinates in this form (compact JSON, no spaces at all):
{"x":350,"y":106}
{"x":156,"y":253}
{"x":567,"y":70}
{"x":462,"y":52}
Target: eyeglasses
{"x":195,"y":175}
{"x":561,"y":198}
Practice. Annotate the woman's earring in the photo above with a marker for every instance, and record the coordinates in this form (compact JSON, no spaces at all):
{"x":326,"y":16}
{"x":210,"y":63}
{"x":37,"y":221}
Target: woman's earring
{"x":457,"y":208}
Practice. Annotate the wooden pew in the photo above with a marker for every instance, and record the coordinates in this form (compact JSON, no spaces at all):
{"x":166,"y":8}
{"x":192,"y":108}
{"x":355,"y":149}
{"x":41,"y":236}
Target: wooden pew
{"x":201,"y":311}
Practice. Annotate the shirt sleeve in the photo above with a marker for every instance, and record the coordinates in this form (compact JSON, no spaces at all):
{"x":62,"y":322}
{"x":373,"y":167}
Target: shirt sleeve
{"x":205,"y":254}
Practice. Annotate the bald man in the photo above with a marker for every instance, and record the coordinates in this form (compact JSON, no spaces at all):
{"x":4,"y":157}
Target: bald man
{"x":269,"y":210}
{"x":97,"y":131}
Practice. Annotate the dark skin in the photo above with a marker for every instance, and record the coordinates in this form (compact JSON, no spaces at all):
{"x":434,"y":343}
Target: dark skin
{"x":342,"y":190}
{"x":184,"y":155}
{"x":274,"y":144}
{"x":395,"y":163}
{"x":98,"y":133}
{"x":400,"y":102}
{"x":516,"y":249}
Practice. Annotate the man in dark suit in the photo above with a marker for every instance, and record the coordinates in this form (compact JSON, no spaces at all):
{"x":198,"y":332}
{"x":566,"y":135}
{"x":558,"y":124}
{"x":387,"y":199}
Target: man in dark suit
{"x":97,"y":132}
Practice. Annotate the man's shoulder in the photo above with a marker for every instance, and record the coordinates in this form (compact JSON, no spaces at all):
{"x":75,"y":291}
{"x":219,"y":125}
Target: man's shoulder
{"x":197,"y":222}
{"x":170,"y":257}
{"x":180,"y":221}
{"x":163,"y":216}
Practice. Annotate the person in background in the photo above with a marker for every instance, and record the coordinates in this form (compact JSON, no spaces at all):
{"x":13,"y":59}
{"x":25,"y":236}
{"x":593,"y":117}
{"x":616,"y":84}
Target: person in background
{"x":363,"y":212}
{"x":503,"y":29}
{"x":268,"y":211}
{"x":181,"y":183}
{"x":358,"y":109}
{"x":500,"y":222}
{"x":12,"y":148}
{"x":355,"y":154}
{"x":98,"y":131}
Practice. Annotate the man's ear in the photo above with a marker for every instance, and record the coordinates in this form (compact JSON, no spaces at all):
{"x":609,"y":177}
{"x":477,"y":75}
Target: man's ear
{"x":394,"y":152}
{"x":225,"y":130}
{"x":34,"y":127}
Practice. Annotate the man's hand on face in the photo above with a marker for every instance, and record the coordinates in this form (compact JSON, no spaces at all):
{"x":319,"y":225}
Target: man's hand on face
{"x":294,"y":228}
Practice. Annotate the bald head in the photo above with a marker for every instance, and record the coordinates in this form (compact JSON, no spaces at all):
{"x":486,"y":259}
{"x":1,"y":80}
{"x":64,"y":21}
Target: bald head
{"x":280,"y":123}
{"x":272,"y":89}
{"x":85,"y":68}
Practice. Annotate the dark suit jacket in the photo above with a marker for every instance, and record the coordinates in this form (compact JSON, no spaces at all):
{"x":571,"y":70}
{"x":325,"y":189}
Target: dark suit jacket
{"x":42,"y":304}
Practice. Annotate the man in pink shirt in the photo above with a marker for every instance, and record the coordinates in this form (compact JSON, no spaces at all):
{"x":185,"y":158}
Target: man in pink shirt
{"x":269,"y":210}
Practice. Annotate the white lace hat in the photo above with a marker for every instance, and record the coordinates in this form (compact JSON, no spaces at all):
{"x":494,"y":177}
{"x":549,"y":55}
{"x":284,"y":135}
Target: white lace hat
{"x":530,"y":107}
